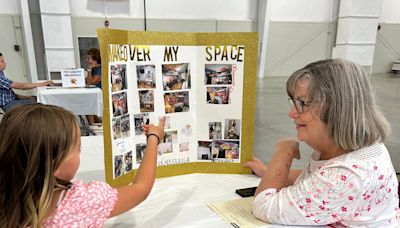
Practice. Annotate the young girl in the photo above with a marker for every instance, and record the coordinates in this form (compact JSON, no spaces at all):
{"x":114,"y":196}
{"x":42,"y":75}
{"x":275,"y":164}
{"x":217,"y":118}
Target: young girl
{"x":39,"y":156}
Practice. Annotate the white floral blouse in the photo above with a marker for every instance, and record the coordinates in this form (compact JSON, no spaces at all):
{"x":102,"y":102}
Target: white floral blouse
{"x":355,"y":189}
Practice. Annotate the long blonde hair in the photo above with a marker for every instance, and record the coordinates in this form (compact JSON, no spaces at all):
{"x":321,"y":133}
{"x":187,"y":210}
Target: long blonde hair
{"x":35,"y":139}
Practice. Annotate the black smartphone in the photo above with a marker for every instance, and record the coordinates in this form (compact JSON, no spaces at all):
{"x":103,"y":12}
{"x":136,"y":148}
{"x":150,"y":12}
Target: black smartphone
{"x":246,"y":192}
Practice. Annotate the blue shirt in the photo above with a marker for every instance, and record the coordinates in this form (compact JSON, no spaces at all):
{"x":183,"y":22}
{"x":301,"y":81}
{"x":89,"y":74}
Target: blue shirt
{"x":96,"y":72}
{"x":6,"y":93}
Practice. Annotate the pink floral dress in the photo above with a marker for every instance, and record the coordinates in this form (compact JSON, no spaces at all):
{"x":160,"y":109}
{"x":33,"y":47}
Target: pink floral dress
{"x":84,"y":205}
{"x":355,"y":189}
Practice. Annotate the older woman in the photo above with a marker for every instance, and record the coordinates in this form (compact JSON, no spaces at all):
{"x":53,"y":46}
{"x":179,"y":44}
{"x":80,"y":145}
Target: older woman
{"x":350,"y":179}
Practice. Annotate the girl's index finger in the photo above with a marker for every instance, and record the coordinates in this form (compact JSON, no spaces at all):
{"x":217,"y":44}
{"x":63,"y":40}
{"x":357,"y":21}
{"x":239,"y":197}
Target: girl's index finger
{"x":162,"y":122}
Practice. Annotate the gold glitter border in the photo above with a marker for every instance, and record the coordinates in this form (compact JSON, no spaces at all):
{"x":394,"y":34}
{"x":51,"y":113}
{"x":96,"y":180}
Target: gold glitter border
{"x":248,"y":40}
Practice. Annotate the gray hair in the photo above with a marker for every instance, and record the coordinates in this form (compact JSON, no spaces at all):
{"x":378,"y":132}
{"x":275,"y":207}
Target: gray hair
{"x":348,"y":104}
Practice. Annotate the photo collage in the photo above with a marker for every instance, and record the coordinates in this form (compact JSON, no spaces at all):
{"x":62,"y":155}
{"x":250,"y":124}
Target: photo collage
{"x":146,"y":83}
{"x":223,"y":143}
{"x":176,"y":85}
{"x":123,"y":164}
{"x":170,"y":140}
{"x":119,"y":101}
{"x":218,"y":78}
{"x":141,"y":93}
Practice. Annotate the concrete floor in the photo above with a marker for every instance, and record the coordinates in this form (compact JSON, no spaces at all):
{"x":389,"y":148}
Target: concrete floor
{"x":273,"y":123}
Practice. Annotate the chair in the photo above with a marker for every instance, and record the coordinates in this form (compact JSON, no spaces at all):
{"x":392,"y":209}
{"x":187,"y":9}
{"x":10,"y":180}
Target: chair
{"x":396,"y":67}
{"x":85,"y":129}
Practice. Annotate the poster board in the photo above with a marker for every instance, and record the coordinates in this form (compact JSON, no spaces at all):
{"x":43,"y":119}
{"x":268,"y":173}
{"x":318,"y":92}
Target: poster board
{"x":204,"y":83}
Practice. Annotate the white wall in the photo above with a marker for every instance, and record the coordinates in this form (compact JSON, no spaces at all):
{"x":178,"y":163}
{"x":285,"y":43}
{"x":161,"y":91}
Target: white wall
{"x":9,"y":7}
{"x":168,"y":9}
{"x":16,"y":61}
{"x":301,"y":10}
{"x":390,"y":11}
{"x":282,"y":10}
{"x":11,"y":27}
{"x":173,"y":11}
{"x":387,"y":47}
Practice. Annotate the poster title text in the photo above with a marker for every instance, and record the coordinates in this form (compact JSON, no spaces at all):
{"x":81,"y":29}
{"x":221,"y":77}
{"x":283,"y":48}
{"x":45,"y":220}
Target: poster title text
{"x":142,"y":53}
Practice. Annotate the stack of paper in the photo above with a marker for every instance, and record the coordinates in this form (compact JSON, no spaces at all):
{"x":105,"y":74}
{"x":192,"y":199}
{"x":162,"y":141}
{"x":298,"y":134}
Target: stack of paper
{"x":238,"y":212}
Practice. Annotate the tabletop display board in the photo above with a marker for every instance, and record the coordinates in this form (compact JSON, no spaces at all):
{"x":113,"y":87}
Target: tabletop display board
{"x":203,"y":83}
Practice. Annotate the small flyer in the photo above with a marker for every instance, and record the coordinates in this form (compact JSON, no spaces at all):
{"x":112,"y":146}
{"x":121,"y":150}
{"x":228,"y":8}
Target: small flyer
{"x":73,"y":78}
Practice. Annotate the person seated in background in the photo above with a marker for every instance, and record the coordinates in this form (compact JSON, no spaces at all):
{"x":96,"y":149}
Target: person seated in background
{"x":93,"y":60}
{"x":350,"y":179}
{"x":8,"y":98}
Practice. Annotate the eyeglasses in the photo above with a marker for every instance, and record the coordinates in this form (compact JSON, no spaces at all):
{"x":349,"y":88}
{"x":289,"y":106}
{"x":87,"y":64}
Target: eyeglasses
{"x":298,"y":104}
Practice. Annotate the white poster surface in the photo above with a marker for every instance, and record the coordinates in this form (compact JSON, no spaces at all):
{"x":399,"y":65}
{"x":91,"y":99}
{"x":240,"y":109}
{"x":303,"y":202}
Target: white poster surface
{"x":199,"y":89}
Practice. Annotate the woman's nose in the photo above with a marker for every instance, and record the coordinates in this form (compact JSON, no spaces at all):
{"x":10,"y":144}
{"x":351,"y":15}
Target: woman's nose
{"x":293,"y":112}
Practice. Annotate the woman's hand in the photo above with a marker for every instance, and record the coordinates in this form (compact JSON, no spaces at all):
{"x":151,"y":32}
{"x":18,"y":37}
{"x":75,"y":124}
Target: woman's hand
{"x":288,"y":146}
{"x":257,"y":166}
{"x":91,"y":65}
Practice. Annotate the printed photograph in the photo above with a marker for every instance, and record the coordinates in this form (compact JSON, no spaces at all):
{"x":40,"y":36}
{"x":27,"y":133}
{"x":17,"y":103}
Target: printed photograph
{"x":226,"y":149}
{"x":204,"y":150}
{"x":165,"y":148}
{"x":118,"y":77}
{"x":176,"y":76}
{"x":218,"y":95}
{"x":232,"y":129}
{"x":128,"y":161}
{"x":116,"y":127}
{"x":146,"y":76}
{"x":218,"y":74}
{"x":176,"y":102}
{"x":187,"y":130}
{"x":140,"y":121}
{"x":171,"y":136}
{"x":125,"y":126}
{"x":184,"y":147}
{"x":119,"y":104}
{"x":118,"y":166}
{"x":140,"y":148}
{"x":146,"y":98}
{"x":215,"y":130}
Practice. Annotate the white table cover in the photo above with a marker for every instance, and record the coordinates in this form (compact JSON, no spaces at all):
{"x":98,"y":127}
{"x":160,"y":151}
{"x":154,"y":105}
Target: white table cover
{"x":80,"y":101}
{"x":181,"y":201}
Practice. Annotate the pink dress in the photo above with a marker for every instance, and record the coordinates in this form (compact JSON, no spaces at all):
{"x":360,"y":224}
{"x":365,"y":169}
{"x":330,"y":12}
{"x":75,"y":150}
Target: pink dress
{"x":358,"y":189}
{"x":84,"y":205}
